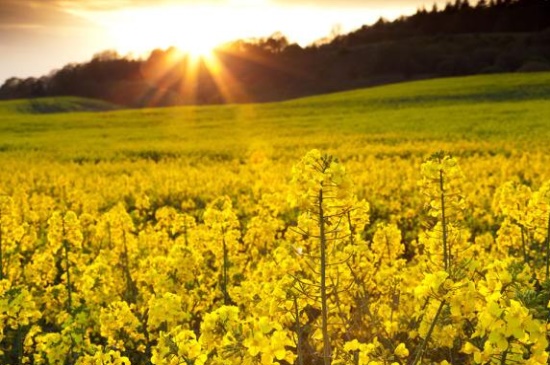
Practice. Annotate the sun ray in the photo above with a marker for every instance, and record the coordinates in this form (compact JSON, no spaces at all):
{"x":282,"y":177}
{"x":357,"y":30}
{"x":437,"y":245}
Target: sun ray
{"x":189,"y":81}
{"x":162,"y":68}
{"x":197,"y":29}
{"x":231,"y":89}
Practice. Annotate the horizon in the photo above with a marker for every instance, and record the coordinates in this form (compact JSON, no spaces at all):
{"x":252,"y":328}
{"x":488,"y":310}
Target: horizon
{"x":41,"y":37}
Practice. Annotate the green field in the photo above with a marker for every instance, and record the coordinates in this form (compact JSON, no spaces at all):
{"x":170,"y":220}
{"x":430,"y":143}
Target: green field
{"x":501,"y":109}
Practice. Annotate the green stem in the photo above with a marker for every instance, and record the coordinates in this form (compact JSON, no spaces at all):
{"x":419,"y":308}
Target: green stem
{"x":1,"y":251}
{"x":446,"y":259}
{"x":225,"y":268}
{"x":70,"y":355}
{"x":68,"y":271}
{"x":69,"y":292}
{"x":523,"y":246}
{"x":323,"y":288}
{"x":131,"y":289}
{"x":19,"y":345}
{"x":548,"y":249}
{"x":351,"y":229}
{"x":298,"y":333}
{"x":185,"y":235}
{"x":504,"y":357}
{"x":420,"y":351}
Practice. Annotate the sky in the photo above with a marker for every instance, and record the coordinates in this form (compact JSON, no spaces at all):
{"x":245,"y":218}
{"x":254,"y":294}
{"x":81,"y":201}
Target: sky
{"x":39,"y":36}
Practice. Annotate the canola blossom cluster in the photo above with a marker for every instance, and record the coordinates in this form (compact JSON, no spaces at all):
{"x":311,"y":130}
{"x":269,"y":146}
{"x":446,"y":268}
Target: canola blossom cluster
{"x":365,"y":260}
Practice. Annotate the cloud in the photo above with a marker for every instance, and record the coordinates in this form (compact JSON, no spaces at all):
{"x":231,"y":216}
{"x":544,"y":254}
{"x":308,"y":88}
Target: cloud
{"x":57,"y":12}
{"x":16,"y":13}
{"x":51,"y":11}
{"x":330,"y":3}
{"x":108,"y":5}
{"x":362,"y":4}
{"x":38,"y":36}
{"x":30,"y":24}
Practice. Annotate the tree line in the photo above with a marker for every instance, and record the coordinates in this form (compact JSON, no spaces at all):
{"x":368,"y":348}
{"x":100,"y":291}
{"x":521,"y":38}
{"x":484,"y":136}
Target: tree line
{"x":457,"y":39}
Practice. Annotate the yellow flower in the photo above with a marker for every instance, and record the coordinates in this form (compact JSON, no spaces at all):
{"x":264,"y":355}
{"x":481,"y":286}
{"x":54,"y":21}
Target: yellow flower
{"x":401,"y":351}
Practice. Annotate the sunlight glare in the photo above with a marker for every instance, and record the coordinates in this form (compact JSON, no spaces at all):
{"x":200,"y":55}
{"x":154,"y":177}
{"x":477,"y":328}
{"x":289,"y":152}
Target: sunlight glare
{"x":197,"y":29}
{"x":142,"y":30}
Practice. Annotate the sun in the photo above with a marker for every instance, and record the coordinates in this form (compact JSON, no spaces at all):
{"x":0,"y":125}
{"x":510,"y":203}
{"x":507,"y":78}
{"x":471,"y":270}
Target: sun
{"x":198,"y":47}
{"x":139,"y":31}
{"x":189,"y":37}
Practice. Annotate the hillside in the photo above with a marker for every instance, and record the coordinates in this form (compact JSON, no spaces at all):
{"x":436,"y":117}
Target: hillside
{"x":49,"y":105}
{"x":506,"y":109}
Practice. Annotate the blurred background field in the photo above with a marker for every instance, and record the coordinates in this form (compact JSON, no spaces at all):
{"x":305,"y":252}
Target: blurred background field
{"x":484,"y":114}
{"x":498,"y":127}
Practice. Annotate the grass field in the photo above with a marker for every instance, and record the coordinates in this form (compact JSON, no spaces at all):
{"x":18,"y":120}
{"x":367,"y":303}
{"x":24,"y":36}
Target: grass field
{"x":224,"y":235}
{"x":504,"y":110}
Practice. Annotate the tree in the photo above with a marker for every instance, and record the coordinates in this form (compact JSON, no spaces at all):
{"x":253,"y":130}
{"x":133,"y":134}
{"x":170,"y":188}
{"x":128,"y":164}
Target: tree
{"x":482,"y":4}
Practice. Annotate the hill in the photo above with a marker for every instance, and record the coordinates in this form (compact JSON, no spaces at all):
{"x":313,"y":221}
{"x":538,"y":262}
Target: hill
{"x":459,"y":114}
{"x":47,"y":105}
{"x":459,"y":39}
